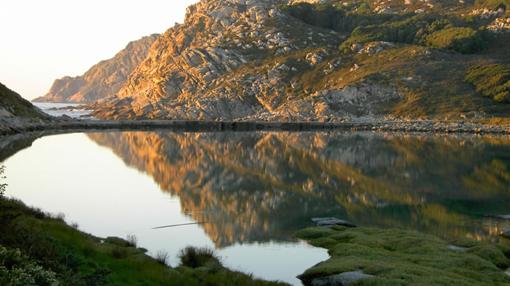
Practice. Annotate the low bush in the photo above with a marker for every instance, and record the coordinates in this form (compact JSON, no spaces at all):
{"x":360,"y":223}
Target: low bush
{"x":132,"y":240}
{"x":461,"y":39}
{"x":3,"y":185}
{"x":119,"y":252}
{"x":492,"y":81}
{"x":17,"y":269}
{"x":197,"y":257}
{"x":162,"y":257}
{"x":338,"y":18}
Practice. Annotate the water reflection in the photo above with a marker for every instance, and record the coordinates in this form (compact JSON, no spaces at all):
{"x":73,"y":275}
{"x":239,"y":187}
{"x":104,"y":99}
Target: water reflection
{"x":259,"y":187}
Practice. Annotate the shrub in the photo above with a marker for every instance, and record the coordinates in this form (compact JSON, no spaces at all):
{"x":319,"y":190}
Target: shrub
{"x":117,"y":241}
{"x":401,"y":31}
{"x":493,"y":4}
{"x":338,"y":18}
{"x":197,"y":257}
{"x":162,"y":257}
{"x":492,"y":81}
{"x":119,"y":252}
{"x":19,"y":270}
{"x":461,"y":39}
{"x":3,"y":186}
{"x":132,"y":240}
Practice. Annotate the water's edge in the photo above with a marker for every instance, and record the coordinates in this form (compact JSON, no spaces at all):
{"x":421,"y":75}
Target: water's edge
{"x":67,"y":126}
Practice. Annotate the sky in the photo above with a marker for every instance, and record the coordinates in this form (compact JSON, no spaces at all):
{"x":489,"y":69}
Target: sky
{"x":46,"y":40}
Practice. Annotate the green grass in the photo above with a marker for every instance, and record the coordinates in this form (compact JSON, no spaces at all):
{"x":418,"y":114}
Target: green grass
{"x":76,"y":258}
{"x":398,"y":257}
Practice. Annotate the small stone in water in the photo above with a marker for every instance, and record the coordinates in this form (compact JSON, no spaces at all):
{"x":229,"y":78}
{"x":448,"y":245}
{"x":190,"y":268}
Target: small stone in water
{"x":345,"y":278}
{"x":331,"y":221}
{"x":457,"y":248}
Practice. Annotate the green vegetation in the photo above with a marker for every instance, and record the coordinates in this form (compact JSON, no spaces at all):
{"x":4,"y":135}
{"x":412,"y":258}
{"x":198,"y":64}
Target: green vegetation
{"x":363,"y":25}
{"x":432,"y":53}
{"x":398,"y":257}
{"x":492,"y":81}
{"x":461,"y":39}
{"x":36,"y":249}
{"x":336,"y":17}
{"x":198,"y":257}
{"x":18,"y":269}
{"x":3,"y":186}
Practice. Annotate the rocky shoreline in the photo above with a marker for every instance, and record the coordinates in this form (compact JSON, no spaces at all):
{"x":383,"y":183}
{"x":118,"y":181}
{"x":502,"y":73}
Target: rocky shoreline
{"x":15,"y":126}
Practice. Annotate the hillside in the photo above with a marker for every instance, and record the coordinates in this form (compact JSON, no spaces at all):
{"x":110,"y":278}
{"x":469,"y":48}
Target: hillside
{"x":325,"y":60}
{"x":13,"y":105}
{"x":103,"y":79}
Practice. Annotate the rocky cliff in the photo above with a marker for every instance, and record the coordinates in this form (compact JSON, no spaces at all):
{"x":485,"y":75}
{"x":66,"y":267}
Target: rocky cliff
{"x":103,"y":79}
{"x":328,"y":60}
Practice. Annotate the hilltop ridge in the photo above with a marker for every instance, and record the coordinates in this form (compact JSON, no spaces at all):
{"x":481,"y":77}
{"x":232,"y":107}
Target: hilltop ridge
{"x":103,"y":79}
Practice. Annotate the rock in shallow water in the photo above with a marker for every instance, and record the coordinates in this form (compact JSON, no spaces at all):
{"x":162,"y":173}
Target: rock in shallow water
{"x":342,"y":279}
{"x":331,"y":221}
{"x":457,"y":248}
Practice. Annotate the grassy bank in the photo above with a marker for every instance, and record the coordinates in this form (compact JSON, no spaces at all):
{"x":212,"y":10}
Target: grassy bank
{"x":37,"y":249}
{"x":398,"y":257}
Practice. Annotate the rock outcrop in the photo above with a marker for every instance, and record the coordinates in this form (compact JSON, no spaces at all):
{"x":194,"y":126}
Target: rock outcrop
{"x":103,"y":79}
{"x":241,"y":60}
{"x":288,"y":60}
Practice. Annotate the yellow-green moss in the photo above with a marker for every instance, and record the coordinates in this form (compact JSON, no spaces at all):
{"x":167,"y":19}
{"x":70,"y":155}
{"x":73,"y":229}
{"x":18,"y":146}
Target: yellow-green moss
{"x":399,"y":257}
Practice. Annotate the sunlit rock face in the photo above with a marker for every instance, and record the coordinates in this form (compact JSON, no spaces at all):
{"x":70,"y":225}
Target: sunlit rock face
{"x":264,"y":186}
{"x":296,"y":60}
{"x":103,"y":79}
{"x":243,"y":60}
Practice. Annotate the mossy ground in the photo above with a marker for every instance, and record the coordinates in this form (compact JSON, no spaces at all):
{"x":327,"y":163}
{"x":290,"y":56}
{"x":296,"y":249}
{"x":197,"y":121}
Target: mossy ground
{"x":398,"y":257}
{"x":81,"y":259}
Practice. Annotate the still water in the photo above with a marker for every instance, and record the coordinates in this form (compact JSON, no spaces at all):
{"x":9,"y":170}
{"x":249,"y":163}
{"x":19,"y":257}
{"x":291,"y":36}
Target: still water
{"x":251,"y":192}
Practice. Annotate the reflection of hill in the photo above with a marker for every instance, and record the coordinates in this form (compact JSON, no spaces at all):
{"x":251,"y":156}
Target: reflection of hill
{"x":262,"y":186}
{"x":10,"y":145}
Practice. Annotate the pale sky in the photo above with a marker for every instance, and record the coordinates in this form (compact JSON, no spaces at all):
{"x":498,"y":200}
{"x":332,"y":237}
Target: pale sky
{"x":45,"y":40}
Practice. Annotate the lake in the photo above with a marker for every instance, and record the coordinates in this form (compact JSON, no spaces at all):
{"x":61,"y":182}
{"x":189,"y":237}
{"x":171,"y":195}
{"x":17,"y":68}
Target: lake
{"x":248,"y":193}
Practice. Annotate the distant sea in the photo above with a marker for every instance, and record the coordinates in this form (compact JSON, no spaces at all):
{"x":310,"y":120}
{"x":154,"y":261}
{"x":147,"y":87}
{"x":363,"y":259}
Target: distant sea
{"x":60,"y":109}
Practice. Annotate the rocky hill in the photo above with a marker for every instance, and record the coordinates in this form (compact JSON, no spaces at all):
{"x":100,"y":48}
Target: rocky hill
{"x":16,"y":112}
{"x":13,"y":106}
{"x":103,"y":79}
{"x":325,"y":60}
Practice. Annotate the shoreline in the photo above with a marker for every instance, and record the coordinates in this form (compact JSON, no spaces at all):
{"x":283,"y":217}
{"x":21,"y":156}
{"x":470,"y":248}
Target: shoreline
{"x":433,"y":127}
